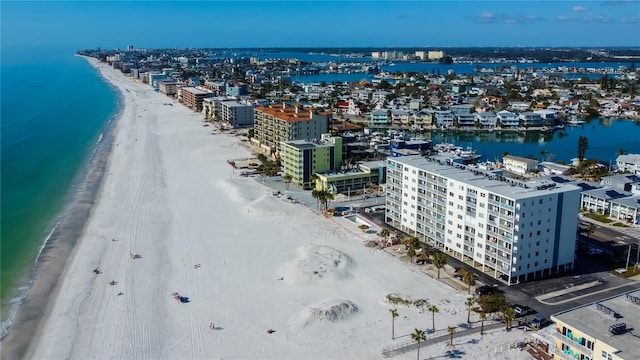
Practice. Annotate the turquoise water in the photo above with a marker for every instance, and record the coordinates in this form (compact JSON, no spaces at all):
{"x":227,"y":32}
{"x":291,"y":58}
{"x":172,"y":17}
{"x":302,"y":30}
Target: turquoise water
{"x":54,"y":107}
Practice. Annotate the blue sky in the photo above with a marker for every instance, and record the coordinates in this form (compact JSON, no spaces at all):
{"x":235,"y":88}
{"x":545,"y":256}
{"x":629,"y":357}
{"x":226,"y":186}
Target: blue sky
{"x":153,"y":24}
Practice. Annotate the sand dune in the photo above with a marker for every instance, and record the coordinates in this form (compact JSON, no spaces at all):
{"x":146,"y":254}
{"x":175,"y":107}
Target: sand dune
{"x":171,"y":197}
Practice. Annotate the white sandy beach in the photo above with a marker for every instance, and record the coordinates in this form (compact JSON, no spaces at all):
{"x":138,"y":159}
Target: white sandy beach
{"x":171,"y":197}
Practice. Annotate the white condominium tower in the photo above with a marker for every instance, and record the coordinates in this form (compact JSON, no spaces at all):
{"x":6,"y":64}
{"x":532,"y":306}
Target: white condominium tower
{"x":508,"y":229}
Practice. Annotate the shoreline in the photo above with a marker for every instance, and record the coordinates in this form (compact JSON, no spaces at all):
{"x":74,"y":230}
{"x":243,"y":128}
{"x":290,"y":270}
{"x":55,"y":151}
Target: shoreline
{"x":39,"y":285}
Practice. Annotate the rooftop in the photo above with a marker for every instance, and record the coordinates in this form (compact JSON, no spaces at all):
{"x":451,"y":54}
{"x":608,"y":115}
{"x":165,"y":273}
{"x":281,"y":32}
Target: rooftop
{"x":290,"y":113}
{"x":489,"y":180}
{"x":595,"y":319}
{"x":194,"y":90}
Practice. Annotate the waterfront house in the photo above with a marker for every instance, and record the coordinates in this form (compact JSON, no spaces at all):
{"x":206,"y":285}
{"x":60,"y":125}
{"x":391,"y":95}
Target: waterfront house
{"x":548,"y":116}
{"x":507,"y":119}
{"x":487,"y":119}
{"x":530,"y":119}
{"x":444,"y":118}
{"x":629,"y":163}
{"x":466,"y":120}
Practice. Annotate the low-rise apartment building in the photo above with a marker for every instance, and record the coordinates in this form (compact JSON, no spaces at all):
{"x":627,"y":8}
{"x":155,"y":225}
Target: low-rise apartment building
{"x":236,"y":114}
{"x":511,"y":230}
{"x":629,"y":162}
{"x":519,"y":165}
{"x":168,"y":87}
{"x":192,"y":98}
{"x":607,"y":330}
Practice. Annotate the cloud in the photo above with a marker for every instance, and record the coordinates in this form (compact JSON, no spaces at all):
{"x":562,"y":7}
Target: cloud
{"x":487,"y":17}
{"x":585,"y":18}
{"x":578,"y":8}
{"x":631,"y":20}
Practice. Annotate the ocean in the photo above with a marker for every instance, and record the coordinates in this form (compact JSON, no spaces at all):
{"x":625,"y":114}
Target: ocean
{"x":55,"y":108}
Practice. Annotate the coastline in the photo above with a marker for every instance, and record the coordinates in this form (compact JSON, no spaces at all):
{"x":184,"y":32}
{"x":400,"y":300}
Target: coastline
{"x":248,"y":259}
{"x":34,"y":294}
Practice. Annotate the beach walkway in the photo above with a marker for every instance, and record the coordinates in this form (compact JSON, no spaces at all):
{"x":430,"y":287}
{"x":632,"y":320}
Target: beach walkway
{"x":410,"y":345}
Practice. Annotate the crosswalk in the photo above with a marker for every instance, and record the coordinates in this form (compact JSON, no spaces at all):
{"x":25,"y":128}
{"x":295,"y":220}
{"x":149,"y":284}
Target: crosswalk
{"x":629,"y":234}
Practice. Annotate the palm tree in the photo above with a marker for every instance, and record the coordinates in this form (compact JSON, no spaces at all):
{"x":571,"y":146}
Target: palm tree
{"x":394,"y":315}
{"x":452,"y":330}
{"x":418,"y":336}
{"x":287,"y":180}
{"x":469,"y":303}
{"x":316,"y":195}
{"x":439,"y":261}
{"x":483,"y":317}
{"x":385,"y":233}
{"x":469,"y":278}
{"x":411,"y":253}
{"x":508,"y":315}
{"x":621,"y":151}
{"x":434,"y":309}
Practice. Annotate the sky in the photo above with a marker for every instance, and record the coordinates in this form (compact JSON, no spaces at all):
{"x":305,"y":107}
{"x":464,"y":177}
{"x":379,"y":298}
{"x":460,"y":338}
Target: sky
{"x":267,"y":24}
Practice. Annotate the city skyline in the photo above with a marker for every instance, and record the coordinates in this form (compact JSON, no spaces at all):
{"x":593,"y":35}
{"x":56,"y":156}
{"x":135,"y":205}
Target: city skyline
{"x":220,"y":24}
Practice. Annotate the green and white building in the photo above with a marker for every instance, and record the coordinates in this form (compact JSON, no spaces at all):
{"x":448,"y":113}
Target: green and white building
{"x":303,"y":158}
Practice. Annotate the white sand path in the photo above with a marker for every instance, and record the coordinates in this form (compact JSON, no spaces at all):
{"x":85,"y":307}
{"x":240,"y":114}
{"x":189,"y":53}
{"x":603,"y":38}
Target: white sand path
{"x":170,"y":196}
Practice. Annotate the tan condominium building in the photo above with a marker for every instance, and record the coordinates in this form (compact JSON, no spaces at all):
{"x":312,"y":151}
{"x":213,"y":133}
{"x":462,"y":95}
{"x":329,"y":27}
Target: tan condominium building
{"x":168,"y":87}
{"x":274,"y":124}
{"x":608,"y":329}
{"x":193,"y":98}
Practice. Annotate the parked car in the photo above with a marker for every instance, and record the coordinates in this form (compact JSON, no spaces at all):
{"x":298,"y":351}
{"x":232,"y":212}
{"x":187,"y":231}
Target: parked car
{"x":486,"y":289}
{"x":522,"y":310}
{"x":538,"y":323}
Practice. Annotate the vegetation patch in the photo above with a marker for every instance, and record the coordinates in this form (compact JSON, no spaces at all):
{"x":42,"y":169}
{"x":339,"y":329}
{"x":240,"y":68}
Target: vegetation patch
{"x":405,"y":300}
{"x":619,"y":224}
{"x":598,"y":217}
{"x":631,"y":271}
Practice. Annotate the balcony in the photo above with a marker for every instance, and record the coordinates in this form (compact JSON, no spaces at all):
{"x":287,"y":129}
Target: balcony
{"x":561,"y":354}
{"x":572,"y":343}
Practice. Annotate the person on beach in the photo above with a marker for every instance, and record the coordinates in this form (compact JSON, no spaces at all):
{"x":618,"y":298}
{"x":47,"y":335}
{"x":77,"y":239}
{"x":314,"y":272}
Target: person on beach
{"x":212,"y":326}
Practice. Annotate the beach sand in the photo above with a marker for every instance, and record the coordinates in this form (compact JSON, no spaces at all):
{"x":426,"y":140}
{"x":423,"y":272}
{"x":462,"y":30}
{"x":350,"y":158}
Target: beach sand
{"x":264,"y":262}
